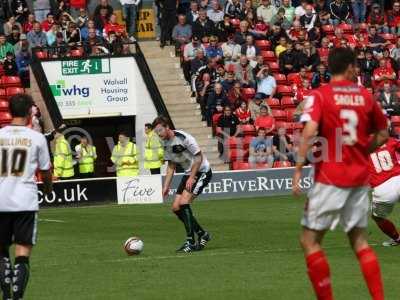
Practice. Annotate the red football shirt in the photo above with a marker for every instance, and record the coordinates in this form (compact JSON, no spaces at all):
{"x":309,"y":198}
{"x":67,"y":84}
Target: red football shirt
{"x":384,"y":163}
{"x":347,"y":115}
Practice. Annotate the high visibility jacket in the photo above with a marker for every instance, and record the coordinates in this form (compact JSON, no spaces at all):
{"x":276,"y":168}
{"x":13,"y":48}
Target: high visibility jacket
{"x":63,"y":163}
{"x":87,"y":157}
{"x":125,"y":160}
{"x":153,"y":152}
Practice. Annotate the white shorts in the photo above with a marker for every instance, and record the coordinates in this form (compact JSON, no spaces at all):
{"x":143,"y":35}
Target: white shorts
{"x":329,"y":205}
{"x":385,"y":196}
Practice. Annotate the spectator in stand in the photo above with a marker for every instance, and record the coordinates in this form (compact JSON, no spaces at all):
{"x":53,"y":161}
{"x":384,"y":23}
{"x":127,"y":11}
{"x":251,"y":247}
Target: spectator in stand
{"x":390,"y":62}
{"x":41,"y":8}
{"x":72,"y":35}
{"x":368,"y":66}
{"x":20,"y":10}
{"x":244,"y":72}
{"x":168,"y":20}
{"x":240,"y":36}
{"x":295,"y":31}
{"x":64,"y":20}
{"x":113,"y":25}
{"x":224,"y":29}
{"x":287,"y":60}
{"x":215,"y":98}
{"x":59,"y":47}
{"x":10,"y":24}
{"x":189,"y":54}
{"x":250,"y":50}
{"x":103,"y":4}
{"x":261,"y":149}
{"x":301,"y":9}
{"x":298,"y":78}
{"x":243,"y":113}
{"x":378,"y":19}
{"x":28,"y":26}
{"x":289,"y":10}
{"x":310,"y":21}
{"x":265,"y":120}
{"x":376,"y":42}
{"x":215,"y":14}
{"x":231,"y":51}
{"x":383,"y":73}
{"x":203,"y":27}
{"x":228,"y":81}
{"x":235,"y":95}
{"x":255,"y":106}
{"x":279,"y":19}
{"x":36,"y":37}
{"x":248,"y":8}
{"x":9,"y":65}
{"x":281,"y":47}
{"x":48,"y":23}
{"x":359,"y":8}
{"x":76,"y":6}
{"x":13,"y":38}
{"x":395,"y":53}
{"x":197,"y":64}
{"x":82,"y":19}
{"x":393,"y":18}
{"x":193,"y":13}
{"x":214,"y":50}
{"x":227,"y":126}
{"x":321,"y":76}
{"x":282,"y":146}
{"x":339,"y":12}
{"x":62,"y":6}
{"x":85,"y":30}
{"x":92,"y":42}
{"x":204,"y":86}
{"x":266,"y":83}
{"x":5,"y":47}
{"x":388,"y":99}
{"x":51,"y":34}
{"x":303,"y":90}
{"x":312,"y":57}
{"x":101,"y":19}
{"x":266,"y":11}
{"x":182,"y":33}
{"x":21,"y":45}
{"x":234,"y":9}
{"x":23,"y":60}
{"x":130,"y":10}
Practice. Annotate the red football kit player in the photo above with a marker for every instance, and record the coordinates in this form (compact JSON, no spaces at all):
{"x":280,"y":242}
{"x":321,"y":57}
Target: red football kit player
{"x":344,"y":116}
{"x":384,"y":168}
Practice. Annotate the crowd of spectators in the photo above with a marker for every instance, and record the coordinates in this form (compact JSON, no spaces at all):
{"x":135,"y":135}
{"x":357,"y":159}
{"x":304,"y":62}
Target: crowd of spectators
{"x":247,"y":62}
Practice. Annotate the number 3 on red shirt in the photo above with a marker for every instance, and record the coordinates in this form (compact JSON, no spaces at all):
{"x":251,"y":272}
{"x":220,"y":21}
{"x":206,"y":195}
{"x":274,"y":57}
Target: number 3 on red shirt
{"x":349,"y":126}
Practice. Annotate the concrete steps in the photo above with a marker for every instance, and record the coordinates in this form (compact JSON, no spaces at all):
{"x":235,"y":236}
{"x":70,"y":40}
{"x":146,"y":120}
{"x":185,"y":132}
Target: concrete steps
{"x":183,"y":110}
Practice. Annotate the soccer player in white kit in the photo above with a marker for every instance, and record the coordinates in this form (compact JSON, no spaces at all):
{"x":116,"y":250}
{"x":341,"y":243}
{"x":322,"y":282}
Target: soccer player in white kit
{"x":22,"y":152}
{"x":180,"y":148}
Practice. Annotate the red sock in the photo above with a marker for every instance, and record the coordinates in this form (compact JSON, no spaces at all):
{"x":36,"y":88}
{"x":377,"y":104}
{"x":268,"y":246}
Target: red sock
{"x":371,"y":271}
{"x":318,"y":271}
{"x":388,"y":228}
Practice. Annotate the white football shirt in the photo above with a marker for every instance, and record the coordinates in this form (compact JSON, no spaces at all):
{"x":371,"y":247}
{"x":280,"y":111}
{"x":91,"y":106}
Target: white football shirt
{"x":22,"y":152}
{"x":182,"y":149}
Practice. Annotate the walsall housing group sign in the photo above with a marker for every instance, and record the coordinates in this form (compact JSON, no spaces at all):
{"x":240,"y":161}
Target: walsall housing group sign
{"x":83,"y":87}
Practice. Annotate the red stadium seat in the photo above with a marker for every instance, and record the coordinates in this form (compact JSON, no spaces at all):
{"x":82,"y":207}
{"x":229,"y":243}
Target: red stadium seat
{"x":274,"y":103}
{"x":287,"y":102}
{"x":389,"y":37}
{"x":282,"y":164}
{"x":280,"y":79}
{"x":262,"y":166}
{"x":215,"y":119}
{"x":76,"y":53}
{"x":5,"y":117}
{"x":396,"y":130}
{"x":238,"y":155}
{"x":239,"y":165}
{"x":248,"y":130}
{"x":274,"y":66}
{"x":328,"y":29}
{"x":268,"y":56}
{"x":10,"y":91}
{"x":285,"y":90}
{"x":41,"y":54}
{"x":3,"y":94}
{"x":248,"y":93}
{"x":290,"y":114}
{"x":346,"y":28}
{"x":7,"y":81}
{"x":235,"y":23}
{"x":280,"y":124}
{"x":4,"y":105}
{"x":246,"y":141}
{"x":263,"y":45}
{"x":235,"y":143}
{"x":292,"y":77}
{"x":395,"y":120}
{"x":279,"y":115}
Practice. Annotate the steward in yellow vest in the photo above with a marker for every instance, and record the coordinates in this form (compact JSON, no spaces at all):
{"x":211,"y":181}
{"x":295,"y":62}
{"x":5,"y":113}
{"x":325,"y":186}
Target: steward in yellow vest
{"x":86,"y":155}
{"x":124,"y":156}
{"x":153,"y":151}
{"x":63,"y":162}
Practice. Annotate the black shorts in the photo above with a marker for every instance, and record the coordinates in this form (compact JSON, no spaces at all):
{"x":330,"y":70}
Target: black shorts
{"x":18,"y":227}
{"x":200,"y":182}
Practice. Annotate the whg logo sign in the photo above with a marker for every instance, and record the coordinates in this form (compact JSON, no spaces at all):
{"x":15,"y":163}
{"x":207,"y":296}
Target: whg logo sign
{"x":61,"y":89}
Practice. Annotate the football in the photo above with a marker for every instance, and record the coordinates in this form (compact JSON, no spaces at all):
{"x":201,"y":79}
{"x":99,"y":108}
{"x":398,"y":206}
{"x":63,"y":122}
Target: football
{"x":133,"y":246}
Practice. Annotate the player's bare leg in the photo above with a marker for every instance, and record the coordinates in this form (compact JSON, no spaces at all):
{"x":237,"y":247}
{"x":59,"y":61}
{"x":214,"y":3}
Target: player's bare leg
{"x":5,"y":272}
{"x":388,"y":228}
{"x":317,"y":264}
{"x":368,"y":262}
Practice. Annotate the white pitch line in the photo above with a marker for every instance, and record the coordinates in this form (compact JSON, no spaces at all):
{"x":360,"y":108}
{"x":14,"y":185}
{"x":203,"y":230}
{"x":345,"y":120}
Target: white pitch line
{"x":51,"y":221}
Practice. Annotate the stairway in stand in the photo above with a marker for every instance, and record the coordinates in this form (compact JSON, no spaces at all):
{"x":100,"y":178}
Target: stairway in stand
{"x":183,"y":109}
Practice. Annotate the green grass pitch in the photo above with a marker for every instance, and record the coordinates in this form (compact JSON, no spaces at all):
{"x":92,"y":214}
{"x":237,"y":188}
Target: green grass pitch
{"x":254,"y":254}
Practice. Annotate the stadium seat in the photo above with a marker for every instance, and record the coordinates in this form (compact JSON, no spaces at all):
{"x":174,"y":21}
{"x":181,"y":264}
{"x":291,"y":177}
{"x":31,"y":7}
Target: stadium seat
{"x":274,"y":66}
{"x":282,"y":164}
{"x":279,"y":115}
{"x":395,"y":120}
{"x":346,"y":28}
{"x":292,"y":77}
{"x":215,"y":119}
{"x":235,"y":23}
{"x":261,"y":166}
{"x":239,"y":165}
{"x":280,"y":124}
{"x":5,"y":117}
{"x":4,"y":106}
{"x":238,"y":155}
{"x":246,"y":141}
{"x":3,"y":95}
{"x":248,"y":93}
{"x":76,"y":53}
{"x":287,"y":102}
{"x":285,"y":90}
{"x":290,"y":114}
{"x":328,"y":29}
{"x":7,"y":81}
{"x":235,"y":143}
{"x":10,"y":91}
{"x":41,"y":54}
{"x":389,"y":37}
{"x":247,"y":130}
{"x":268,"y":56}
{"x":280,"y":79}
{"x":396,"y":130}
{"x":274,"y":103}
{"x":263,"y":45}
